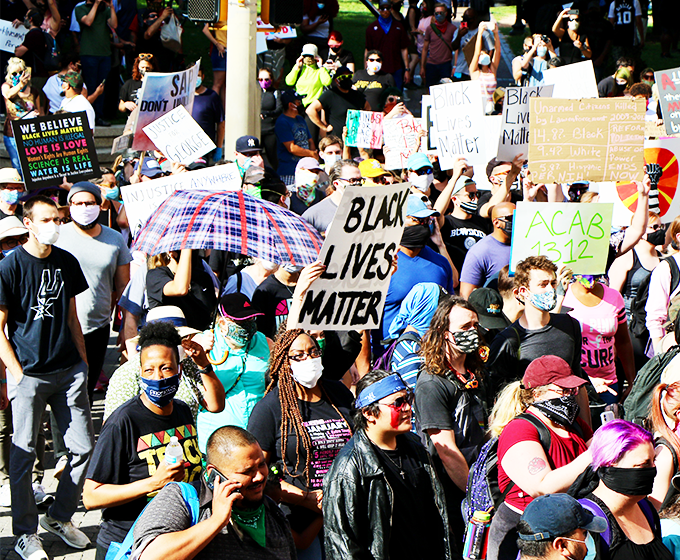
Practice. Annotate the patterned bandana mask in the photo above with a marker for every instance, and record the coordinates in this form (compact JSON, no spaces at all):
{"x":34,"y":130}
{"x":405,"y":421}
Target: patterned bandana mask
{"x":466,"y":341}
{"x":563,"y":410}
{"x":545,"y":301}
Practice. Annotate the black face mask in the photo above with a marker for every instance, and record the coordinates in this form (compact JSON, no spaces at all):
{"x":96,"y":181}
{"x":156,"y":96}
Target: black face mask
{"x":657,"y":237}
{"x":345,"y":82}
{"x":415,"y":237}
{"x":629,"y":482}
{"x":563,"y":410}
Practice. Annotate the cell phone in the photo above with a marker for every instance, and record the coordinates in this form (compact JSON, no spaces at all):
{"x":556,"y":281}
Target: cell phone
{"x":572,"y":12}
{"x":607,"y":416}
{"x":215,"y":474}
{"x":545,"y":38}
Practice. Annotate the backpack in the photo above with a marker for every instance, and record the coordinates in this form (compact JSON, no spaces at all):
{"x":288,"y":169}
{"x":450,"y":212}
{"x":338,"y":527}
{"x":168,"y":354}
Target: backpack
{"x":638,"y":315}
{"x":639,"y":398}
{"x":384,"y":362}
{"x":482,"y":492}
{"x":123,"y":550}
{"x":52,"y":53}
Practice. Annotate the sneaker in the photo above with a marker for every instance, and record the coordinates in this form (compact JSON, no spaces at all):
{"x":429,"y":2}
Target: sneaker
{"x":5,"y":496}
{"x":60,"y":466}
{"x":29,"y":547}
{"x":42,"y":498}
{"x":68,"y":533}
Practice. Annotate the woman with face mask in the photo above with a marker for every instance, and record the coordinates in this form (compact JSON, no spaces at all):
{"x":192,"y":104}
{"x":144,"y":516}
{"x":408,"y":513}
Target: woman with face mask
{"x":303,"y":421}
{"x":144,"y":63}
{"x":271,"y":107}
{"x":623,"y":458}
{"x":542,"y":444}
{"x":574,"y":45}
{"x":240,"y":357}
{"x":664,"y":415}
{"x":484,"y":68}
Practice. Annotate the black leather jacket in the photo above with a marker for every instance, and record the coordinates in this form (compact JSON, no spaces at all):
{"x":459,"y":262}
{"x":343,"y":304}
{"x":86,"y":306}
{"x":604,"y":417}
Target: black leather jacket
{"x":357,"y":501}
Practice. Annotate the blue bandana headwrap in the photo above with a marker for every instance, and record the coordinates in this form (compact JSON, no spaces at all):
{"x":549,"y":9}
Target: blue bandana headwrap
{"x":379,"y":390}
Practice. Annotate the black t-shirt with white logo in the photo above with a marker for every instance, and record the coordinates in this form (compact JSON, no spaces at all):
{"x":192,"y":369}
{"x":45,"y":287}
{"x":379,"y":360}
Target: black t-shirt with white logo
{"x":461,"y":235}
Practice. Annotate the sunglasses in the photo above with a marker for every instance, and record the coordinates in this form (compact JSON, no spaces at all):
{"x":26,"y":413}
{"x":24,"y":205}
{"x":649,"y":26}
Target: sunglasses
{"x":423,"y":171}
{"x":145,"y":56}
{"x":400,"y":402}
{"x":648,"y":77}
{"x":352,"y":182}
{"x":375,"y":59}
{"x":656,"y":227}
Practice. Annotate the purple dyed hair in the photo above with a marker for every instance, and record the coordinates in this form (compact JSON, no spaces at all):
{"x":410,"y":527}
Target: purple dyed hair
{"x":614,"y":439}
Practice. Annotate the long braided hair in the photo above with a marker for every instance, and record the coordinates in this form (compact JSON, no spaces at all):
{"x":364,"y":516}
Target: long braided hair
{"x":281,"y":374}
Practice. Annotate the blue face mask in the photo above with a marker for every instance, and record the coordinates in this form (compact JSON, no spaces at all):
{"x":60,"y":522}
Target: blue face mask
{"x":113,"y":193}
{"x":160,"y":391}
{"x":199,"y":81}
{"x":10,"y":196}
{"x":545,"y":301}
{"x":8,"y":252}
{"x":440,"y":17}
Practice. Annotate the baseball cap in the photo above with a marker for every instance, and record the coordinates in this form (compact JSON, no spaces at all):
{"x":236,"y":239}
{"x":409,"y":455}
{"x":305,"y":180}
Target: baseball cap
{"x":150,"y":168}
{"x":11,"y":226}
{"x":246,"y":144}
{"x":237,"y":307}
{"x":416,"y":207}
{"x":555,"y":515}
{"x":418,"y":161}
{"x":308,"y":163}
{"x":489,"y":306}
{"x":85,"y":186}
{"x":371,"y":168}
{"x":10,"y":175}
{"x":550,"y":369}
{"x":310,"y":49}
{"x":462,"y":182}
{"x":72,"y":78}
{"x":289,"y":96}
{"x":384,"y":3}
{"x":200,"y":163}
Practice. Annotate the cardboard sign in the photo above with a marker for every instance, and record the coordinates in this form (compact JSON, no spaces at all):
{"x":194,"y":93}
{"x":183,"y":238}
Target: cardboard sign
{"x":11,"y":37}
{"x":573,"y":81}
{"x":364,"y":129}
{"x":576,"y":235}
{"x":51,"y":148}
{"x":179,"y":136}
{"x":668,"y":82}
{"x":358,"y":252}
{"x":665,"y":153}
{"x":400,"y":137}
{"x":458,"y":123}
{"x":121,"y":143}
{"x":142,"y":199}
{"x":161,"y":93}
{"x":598,"y":139}
{"x":514,"y":137}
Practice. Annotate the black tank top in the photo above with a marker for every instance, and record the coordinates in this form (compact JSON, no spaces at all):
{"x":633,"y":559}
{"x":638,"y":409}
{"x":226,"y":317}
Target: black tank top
{"x":635,"y":276}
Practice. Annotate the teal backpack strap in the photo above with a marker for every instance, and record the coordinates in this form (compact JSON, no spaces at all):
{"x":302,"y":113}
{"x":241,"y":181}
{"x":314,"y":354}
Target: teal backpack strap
{"x":190,"y":496}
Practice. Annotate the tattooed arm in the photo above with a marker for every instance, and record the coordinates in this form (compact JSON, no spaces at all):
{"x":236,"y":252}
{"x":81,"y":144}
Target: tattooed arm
{"x":527,"y":466}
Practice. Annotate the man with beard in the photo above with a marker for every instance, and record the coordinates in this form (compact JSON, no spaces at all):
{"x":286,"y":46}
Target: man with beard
{"x":235,"y":519}
{"x":105,"y":259}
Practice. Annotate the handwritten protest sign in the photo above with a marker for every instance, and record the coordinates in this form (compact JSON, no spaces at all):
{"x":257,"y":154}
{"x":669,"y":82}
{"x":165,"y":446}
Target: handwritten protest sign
{"x":51,"y":148}
{"x":141,"y":199}
{"x":179,"y":137}
{"x":364,"y":129}
{"x":400,"y":137}
{"x":11,"y":37}
{"x":573,"y":81}
{"x":576,"y":235}
{"x":358,"y":252}
{"x":594,"y":139}
{"x":458,"y":123}
{"x":668,"y":82}
{"x":514,"y":137}
{"x":427,"y":123}
{"x":160,"y":94}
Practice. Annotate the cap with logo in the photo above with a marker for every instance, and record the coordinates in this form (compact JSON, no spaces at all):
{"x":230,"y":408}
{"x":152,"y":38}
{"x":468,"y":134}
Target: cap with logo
{"x":246,"y":144}
{"x":489,"y":306}
{"x":150,"y":168}
{"x":371,"y":168}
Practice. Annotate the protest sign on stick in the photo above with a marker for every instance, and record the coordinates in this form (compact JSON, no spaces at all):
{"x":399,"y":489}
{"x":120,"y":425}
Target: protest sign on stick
{"x":358,"y":252}
{"x":593,"y":139}
{"x":426,"y":119}
{"x":572,"y":81}
{"x":51,"y":148}
{"x":668,"y":82}
{"x":572,"y":234}
{"x":514,"y":137}
{"x":179,"y":136}
{"x":11,"y":37}
{"x":121,"y":143}
{"x":161,"y":93}
{"x":364,"y":129}
{"x":400,"y":137}
{"x":141,"y":199}
{"x":458,"y":123}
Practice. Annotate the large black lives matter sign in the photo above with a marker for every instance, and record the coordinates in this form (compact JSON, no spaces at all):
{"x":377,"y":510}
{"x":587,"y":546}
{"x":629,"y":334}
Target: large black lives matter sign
{"x":54,"y":147}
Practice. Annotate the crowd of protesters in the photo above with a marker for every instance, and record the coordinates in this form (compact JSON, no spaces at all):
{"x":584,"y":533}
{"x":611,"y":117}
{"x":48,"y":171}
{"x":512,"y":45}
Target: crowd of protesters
{"x":334,"y":444}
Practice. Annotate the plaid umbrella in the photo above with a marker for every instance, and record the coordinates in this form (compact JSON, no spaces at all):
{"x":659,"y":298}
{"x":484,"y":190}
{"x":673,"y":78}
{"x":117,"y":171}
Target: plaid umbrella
{"x":229,"y":221}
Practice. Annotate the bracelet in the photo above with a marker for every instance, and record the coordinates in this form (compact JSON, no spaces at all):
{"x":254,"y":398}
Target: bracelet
{"x":206,"y":370}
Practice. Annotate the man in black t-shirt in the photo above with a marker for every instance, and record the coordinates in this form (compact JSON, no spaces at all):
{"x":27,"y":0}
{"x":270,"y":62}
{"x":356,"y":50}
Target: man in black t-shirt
{"x":372,"y":80}
{"x":44,"y":353}
{"x":274,"y":297}
{"x":336,"y":102}
{"x":33,"y":48}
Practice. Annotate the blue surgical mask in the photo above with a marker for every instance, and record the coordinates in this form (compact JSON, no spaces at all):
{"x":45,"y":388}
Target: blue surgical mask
{"x":542,"y":51}
{"x":440,"y":17}
{"x":160,"y":391}
{"x":10,"y":196}
{"x":113,"y":193}
{"x":545,"y":301}
{"x":7,"y":252}
{"x":199,"y":81}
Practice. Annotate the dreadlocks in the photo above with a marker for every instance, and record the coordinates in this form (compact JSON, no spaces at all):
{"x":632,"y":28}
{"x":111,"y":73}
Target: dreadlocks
{"x":279,"y":368}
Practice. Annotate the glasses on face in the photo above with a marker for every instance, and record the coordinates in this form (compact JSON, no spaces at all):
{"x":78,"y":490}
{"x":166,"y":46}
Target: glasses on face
{"x":352,"y":182}
{"x":423,"y":171}
{"x":87,"y":204}
{"x":400,"y":402}
{"x":649,"y":77}
{"x":302,"y":356}
{"x":12,"y":242}
{"x":375,"y":59}
{"x":146,"y":56}
{"x":656,"y":227}
{"x":393,"y":99}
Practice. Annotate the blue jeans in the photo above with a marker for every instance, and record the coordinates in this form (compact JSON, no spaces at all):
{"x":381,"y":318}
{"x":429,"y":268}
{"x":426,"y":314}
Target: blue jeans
{"x":399,"y":78}
{"x":11,"y":147}
{"x":95,"y":69}
{"x":66,"y":393}
{"x":435,"y":72}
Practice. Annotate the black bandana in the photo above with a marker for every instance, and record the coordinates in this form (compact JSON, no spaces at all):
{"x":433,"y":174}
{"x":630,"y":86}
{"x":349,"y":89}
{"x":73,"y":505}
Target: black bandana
{"x":563,"y":410}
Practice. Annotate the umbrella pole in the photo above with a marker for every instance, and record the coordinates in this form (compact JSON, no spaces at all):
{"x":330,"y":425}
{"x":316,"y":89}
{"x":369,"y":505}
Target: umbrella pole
{"x":223,"y":283}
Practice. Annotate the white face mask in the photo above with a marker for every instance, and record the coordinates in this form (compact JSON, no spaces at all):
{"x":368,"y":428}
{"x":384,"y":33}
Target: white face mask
{"x":421,"y":182}
{"x":542,"y":51}
{"x":47,"y":234}
{"x":269,"y":266}
{"x":484,"y":59}
{"x":574,"y":25}
{"x":330,"y":159}
{"x":84,"y":215}
{"x":374,"y":67}
{"x":307,"y":372}
{"x":182,"y":353}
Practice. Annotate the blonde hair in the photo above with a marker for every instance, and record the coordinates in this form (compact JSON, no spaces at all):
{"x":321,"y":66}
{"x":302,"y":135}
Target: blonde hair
{"x":15,"y":64}
{"x":512,"y":401}
{"x":589,"y":196}
{"x":156,"y":261}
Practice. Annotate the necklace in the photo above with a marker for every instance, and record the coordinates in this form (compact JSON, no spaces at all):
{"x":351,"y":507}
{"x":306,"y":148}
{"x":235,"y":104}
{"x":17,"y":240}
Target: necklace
{"x":399,"y":465}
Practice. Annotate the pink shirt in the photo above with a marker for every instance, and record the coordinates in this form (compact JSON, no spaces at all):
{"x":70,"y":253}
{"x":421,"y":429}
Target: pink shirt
{"x":598,"y":327}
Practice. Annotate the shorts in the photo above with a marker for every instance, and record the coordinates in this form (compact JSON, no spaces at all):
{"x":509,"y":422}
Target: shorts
{"x":219,"y":63}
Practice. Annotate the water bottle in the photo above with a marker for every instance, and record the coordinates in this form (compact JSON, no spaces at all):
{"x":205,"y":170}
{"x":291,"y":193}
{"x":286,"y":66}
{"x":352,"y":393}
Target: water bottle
{"x":173,"y":452}
{"x":477,"y":536}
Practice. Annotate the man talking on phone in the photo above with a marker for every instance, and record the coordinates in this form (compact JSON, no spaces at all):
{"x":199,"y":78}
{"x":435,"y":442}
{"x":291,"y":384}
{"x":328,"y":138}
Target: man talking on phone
{"x":235,"y":519}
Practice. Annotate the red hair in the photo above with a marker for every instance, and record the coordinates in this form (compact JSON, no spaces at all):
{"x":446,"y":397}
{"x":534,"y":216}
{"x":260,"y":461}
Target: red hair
{"x":335,"y":36}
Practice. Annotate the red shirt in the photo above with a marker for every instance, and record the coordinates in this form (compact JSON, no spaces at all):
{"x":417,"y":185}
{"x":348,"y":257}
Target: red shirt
{"x":563,"y":450}
{"x":389,"y":44}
